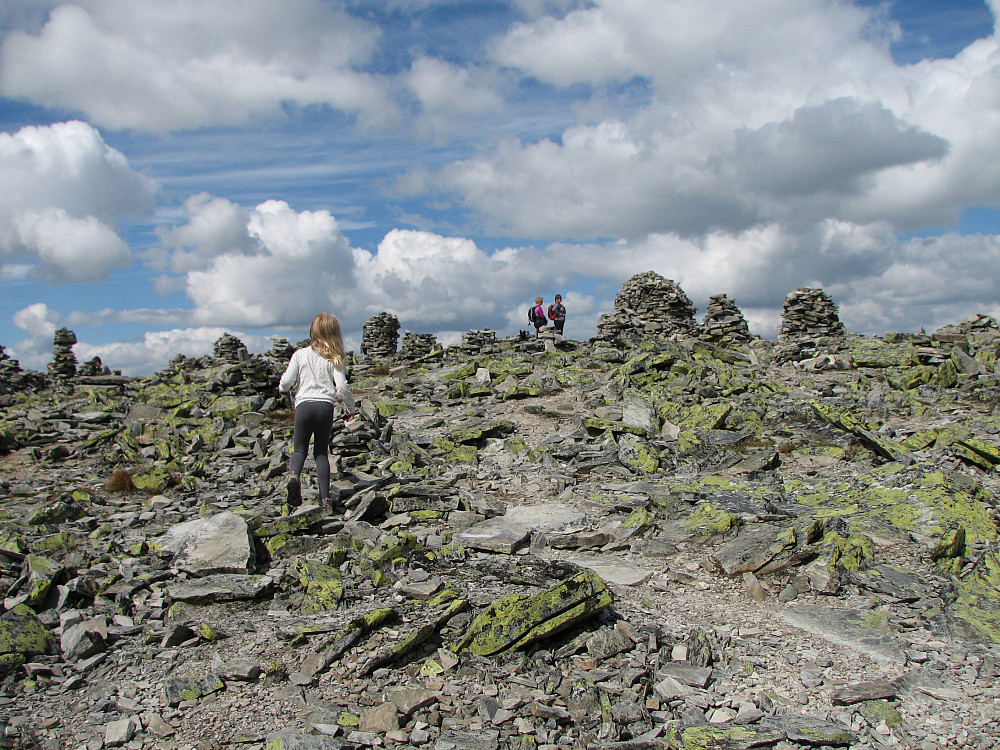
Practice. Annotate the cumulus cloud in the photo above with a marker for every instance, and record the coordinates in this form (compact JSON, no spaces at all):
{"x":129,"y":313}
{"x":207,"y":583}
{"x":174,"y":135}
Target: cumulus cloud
{"x":448,"y":93}
{"x":147,"y":66}
{"x":64,"y":191}
{"x":40,"y":323}
{"x":807,"y":118}
{"x":268,"y":266}
{"x":214,"y":226}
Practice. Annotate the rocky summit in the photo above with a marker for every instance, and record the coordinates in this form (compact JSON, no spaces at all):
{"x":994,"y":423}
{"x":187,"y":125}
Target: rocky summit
{"x":644,"y":541}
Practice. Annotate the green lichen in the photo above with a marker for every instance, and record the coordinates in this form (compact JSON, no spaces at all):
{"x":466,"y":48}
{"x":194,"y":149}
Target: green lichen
{"x":516,"y":620}
{"x":389,"y":409}
{"x":880,"y":710}
{"x":22,"y":636}
{"x":708,"y":519}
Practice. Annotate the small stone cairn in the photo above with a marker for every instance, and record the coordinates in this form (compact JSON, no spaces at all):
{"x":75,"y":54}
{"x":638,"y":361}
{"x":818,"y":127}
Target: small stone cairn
{"x":809,"y":313}
{"x":93,"y":367}
{"x":63,"y":359}
{"x":647,"y":303}
{"x":724,"y":322}
{"x":417,"y":345}
{"x":10,"y":373}
{"x":281,"y":349}
{"x":479,"y":341}
{"x":380,"y":335}
{"x":230,"y":349}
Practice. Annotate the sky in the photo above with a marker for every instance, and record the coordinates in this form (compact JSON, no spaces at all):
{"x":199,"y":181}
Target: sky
{"x":171,"y":170}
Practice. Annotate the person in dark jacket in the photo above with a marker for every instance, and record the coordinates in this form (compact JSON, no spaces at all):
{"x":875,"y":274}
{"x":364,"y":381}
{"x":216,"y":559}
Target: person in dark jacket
{"x":557,"y":314}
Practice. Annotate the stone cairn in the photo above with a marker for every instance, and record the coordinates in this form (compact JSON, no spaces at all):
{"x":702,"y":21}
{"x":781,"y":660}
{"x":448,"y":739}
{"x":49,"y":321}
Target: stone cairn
{"x":93,"y":367}
{"x":10,"y":373}
{"x":647,"y":303}
{"x":380,"y":335}
{"x":230,"y":349}
{"x":724,"y":323}
{"x":63,"y":359}
{"x":281,"y":349}
{"x":809,"y":313}
{"x":417,"y":345}
{"x":480,"y":341}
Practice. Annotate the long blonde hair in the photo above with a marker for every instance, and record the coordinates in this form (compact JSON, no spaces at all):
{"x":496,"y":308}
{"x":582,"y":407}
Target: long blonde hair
{"x":326,"y":339}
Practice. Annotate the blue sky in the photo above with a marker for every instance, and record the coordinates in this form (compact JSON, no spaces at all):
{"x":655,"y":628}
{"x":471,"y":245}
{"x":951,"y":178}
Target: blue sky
{"x":175,"y":169}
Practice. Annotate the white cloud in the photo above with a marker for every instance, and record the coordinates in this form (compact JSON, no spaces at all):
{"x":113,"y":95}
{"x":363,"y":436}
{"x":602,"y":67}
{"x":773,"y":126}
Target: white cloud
{"x":782,"y":110}
{"x":163,"y":65}
{"x":64,"y":192}
{"x":71,"y":249}
{"x":37,"y":320}
{"x":40,"y":323}
{"x":281,"y":268}
{"x":448,"y":94}
{"x":215,"y":226}
{"x":158,"y":347}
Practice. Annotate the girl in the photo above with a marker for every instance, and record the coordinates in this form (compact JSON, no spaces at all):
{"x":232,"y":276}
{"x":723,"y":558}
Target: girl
{"x":320,"y":375}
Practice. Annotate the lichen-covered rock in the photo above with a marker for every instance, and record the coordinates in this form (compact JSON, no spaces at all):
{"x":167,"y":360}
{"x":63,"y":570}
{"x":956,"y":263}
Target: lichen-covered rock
{"x":22,"y":636}
{"x":516,"y":621}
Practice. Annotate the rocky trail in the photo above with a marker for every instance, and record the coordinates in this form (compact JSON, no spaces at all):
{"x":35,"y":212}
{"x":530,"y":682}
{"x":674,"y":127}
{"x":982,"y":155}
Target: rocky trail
{"x":673,"y":536}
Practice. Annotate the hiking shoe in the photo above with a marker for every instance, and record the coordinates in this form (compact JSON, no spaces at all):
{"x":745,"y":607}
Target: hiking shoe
{"x":294,"y":492}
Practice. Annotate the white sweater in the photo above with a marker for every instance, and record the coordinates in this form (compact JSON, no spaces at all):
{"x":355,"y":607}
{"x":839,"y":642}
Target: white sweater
{"x":317,"y":379}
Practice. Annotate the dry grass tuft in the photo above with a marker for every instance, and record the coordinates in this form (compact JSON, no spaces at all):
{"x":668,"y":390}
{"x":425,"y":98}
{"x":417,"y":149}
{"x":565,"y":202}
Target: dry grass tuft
{"x":120,"y":482}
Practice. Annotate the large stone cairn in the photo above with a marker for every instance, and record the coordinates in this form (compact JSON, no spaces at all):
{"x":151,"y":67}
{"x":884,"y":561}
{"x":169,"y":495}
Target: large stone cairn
{"x":809,"y":313}
{"x":230,"y":349}
{"x":380,"y":335}
{"x":724,"y":322}
{"x":647,"y":303}
{"x":417,"y":345}
{"x":63,"y":359}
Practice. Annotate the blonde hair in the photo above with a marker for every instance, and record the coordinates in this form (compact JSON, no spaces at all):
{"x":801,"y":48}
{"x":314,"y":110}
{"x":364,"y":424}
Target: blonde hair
{"x":538,"y":300}
{"x":326,"y":339}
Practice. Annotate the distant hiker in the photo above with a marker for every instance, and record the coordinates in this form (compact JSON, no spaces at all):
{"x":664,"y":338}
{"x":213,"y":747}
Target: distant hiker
{"x":537,"y":315}
{"x":557,"y":314}
{"x":319,"y":374}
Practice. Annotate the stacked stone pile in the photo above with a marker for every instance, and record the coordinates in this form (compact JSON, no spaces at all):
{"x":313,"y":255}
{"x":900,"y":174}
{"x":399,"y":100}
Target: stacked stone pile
{"x":281,"y":349}
{"x":809,"y":313}
{"x":724,"y":322}
{"x":417,"y":345}
{"x":647,"y":303}
{"x":8,"y":367}
{"x":244,"y":373}
{"x":480,"y":341}
{"x":63,"y":358}
{"x":93,"y":367}
{"x":380,"y":336}
{"x":228,"y":348}
{"x":14,"y":380}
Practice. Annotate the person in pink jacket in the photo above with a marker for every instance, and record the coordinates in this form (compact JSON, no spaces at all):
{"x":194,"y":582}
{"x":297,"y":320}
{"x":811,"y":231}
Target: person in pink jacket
{"x":318,"y":373}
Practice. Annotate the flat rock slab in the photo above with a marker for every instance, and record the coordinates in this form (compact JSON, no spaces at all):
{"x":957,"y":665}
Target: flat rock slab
{"x":755,"y":546}
{"x":467,"y":739}
{"x":852,"y":628}
{"x":620,"y":572}
{"x":863,"y":691}
{"x":219,"y":544}
{"x":222,"y":587}
{"x":813,"y":731}
{"x":548,"y":517}
{"x":495,"y":536}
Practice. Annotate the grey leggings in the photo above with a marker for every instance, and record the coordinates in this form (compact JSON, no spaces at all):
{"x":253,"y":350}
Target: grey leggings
{"x":313,"y":420}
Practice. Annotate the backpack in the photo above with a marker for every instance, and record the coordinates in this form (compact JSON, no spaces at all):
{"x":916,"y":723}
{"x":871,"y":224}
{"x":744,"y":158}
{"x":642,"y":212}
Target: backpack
{"x":531,"y":315}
